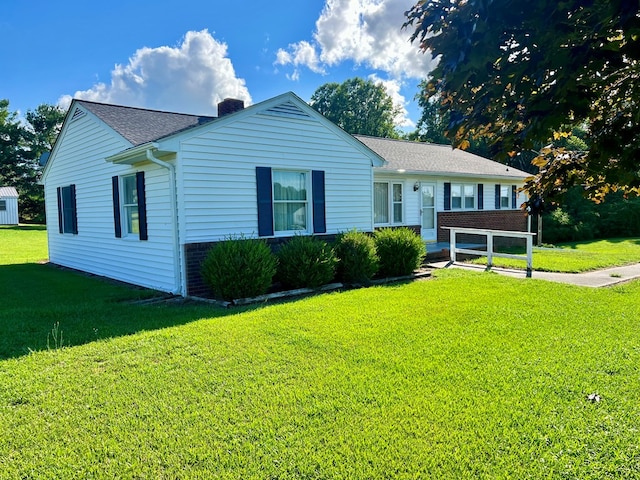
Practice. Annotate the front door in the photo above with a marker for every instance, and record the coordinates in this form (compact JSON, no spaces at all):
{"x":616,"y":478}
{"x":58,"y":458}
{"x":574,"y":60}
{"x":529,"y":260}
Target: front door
{"x":428,"y":210}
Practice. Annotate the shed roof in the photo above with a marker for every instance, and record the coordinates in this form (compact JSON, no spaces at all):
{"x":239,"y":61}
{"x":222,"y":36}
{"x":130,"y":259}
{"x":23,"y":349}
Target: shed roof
{"x":8,"y":192}
{"x":427,"y":158}
{"x":141,"y":125}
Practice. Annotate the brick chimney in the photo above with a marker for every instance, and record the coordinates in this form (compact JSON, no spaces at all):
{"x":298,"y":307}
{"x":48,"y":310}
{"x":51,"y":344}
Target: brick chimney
{"x":229,"y":105}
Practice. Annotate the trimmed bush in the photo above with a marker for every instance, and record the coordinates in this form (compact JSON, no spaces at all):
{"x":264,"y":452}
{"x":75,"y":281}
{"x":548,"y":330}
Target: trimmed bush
{"x":239,"y":267}
{"x":400,"y":251}
{"x":306,"y":261}
{"x":357,"y":257}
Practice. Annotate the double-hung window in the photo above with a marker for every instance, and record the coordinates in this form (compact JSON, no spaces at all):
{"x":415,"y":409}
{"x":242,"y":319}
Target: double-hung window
{"x":3,"y":205}
{"x":129,"y":206}
{"x":387,"y":203}
{"x":290,"y":201}
{"x":463,"y":196}
{"x":504,"y":196}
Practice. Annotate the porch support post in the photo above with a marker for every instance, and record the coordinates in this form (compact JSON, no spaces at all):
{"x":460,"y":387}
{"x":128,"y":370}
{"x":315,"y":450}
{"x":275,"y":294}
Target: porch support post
{"x":529,"y":255}
{"x":452,"y":244}
{"x":489,"y":249}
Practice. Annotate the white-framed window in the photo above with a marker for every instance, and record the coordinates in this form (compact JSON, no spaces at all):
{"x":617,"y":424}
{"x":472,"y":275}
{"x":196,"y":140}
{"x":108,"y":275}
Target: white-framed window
{"x":3,"y":205}
{"x":505,"y":194}
{"x":290,"y":201}
{"x":130,"y":205}
{"x":463,"y":196}
{"x":387,"y":203}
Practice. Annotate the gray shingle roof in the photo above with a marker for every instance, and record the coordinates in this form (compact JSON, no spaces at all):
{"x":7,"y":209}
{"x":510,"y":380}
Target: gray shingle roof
{"x":139,"y":125}
{"x":8,"y":192}
{"x":429,"y":158}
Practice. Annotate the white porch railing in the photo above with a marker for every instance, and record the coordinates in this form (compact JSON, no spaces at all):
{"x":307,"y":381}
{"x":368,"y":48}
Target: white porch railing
{"x":489,"y":253}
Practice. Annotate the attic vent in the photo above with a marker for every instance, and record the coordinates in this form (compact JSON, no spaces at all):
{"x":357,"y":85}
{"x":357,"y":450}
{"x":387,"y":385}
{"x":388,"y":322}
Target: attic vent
{"x":287,"y":109}
{"x":77,"y":114}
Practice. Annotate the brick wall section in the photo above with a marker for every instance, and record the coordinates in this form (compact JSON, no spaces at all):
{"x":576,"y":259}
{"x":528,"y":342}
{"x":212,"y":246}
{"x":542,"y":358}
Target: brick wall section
{"x":195,"y":253}
{"x":491,"y":219}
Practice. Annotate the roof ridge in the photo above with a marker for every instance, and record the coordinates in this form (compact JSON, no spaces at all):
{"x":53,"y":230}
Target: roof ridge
{"x":143,"y":109}
{"x":403,"y":140}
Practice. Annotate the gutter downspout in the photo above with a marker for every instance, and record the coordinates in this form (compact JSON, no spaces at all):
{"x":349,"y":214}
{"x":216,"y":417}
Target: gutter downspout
{"x":175,"y":233}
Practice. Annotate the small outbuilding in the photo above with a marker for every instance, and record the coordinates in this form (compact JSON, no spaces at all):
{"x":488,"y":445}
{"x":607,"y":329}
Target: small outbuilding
{"x":8,"y":206}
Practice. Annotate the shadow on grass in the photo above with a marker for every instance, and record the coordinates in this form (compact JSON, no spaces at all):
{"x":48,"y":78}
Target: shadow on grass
{"x":25,"y":227}
{"x":44,"y":307}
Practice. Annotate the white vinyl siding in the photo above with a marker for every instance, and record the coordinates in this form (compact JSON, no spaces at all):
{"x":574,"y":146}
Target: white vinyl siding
{"x":217,"y":176}
{"x":79,"y":158}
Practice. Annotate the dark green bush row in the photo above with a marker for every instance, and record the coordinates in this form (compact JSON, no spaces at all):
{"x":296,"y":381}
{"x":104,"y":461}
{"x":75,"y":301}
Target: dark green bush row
{"x":241,"y":267}
{"x":306,"y":261}
{"x":400,"y":251}
{"x":581,"y":219}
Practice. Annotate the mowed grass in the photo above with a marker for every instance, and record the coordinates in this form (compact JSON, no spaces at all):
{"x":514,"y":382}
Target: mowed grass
{"x":467,"y":375}
{"x":23,"y":244}
{"x":575,"y":257}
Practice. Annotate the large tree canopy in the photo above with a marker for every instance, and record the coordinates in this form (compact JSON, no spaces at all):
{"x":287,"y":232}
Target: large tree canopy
{"x":523,"y":73}
{"x":357,"y":106}
{"x":21,"y":144}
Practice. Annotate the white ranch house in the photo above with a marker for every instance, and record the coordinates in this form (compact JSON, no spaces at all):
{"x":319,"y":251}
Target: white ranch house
{"x":140,"y":195}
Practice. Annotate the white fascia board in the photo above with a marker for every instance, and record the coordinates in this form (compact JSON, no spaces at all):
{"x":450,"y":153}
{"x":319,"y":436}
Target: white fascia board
{"x":138,"y":154}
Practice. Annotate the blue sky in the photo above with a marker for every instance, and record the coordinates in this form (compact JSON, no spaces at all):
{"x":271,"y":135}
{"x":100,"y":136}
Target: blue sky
{"x":187,"y":56}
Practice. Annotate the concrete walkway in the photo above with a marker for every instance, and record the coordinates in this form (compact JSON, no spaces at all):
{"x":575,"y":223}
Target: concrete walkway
{"x":597,"y":278}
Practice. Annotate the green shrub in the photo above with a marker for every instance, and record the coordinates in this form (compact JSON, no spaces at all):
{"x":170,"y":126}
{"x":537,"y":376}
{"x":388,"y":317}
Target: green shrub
{"x":357,"y":257}
{"x":239,"y":267}
{"x":400,"y":251}
{"x":306,"y":261}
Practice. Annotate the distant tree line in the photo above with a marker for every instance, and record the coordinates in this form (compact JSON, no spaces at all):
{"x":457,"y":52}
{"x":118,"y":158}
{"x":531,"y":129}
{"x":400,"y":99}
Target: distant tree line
{"x":22,"y":142}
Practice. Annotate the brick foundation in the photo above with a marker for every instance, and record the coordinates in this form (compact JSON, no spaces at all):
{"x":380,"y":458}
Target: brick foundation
{"x":490,"y":219}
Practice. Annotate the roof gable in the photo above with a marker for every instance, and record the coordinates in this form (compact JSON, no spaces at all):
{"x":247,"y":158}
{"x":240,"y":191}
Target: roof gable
{"x":140,"y":125}
{"x":428,"y":158}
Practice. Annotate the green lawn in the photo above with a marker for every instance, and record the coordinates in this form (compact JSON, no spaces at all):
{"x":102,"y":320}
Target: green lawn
{"x":575,"y":257}
{"x":467,"y":375}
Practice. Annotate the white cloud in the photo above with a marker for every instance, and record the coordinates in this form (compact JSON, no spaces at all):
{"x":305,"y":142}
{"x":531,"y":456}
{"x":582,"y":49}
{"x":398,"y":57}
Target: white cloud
{"x":367,"y":32}
{"x":393,"y":90}
{"x":191,"y":77}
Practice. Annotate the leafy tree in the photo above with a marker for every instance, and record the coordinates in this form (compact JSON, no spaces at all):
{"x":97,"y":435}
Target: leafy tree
{"x":433,"y":123}
{"x":433,"y":126}
{"x":357,"y":106}
{"x":21,"y":145}
{"x":523,"y":73}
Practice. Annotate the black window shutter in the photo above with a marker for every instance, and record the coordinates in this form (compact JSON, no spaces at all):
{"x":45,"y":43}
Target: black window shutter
{"x":447,"y":196}
{"x":60,"y":225}
{"x":480,"y":196}
{"x":265,"y":201}
{"x":514,"y":196}
{"x":497,"y":197}
{"x":115,"y":186}
{"x":142,"y":206}
{"x":74,"y":211}
{"x":317,"y":191}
